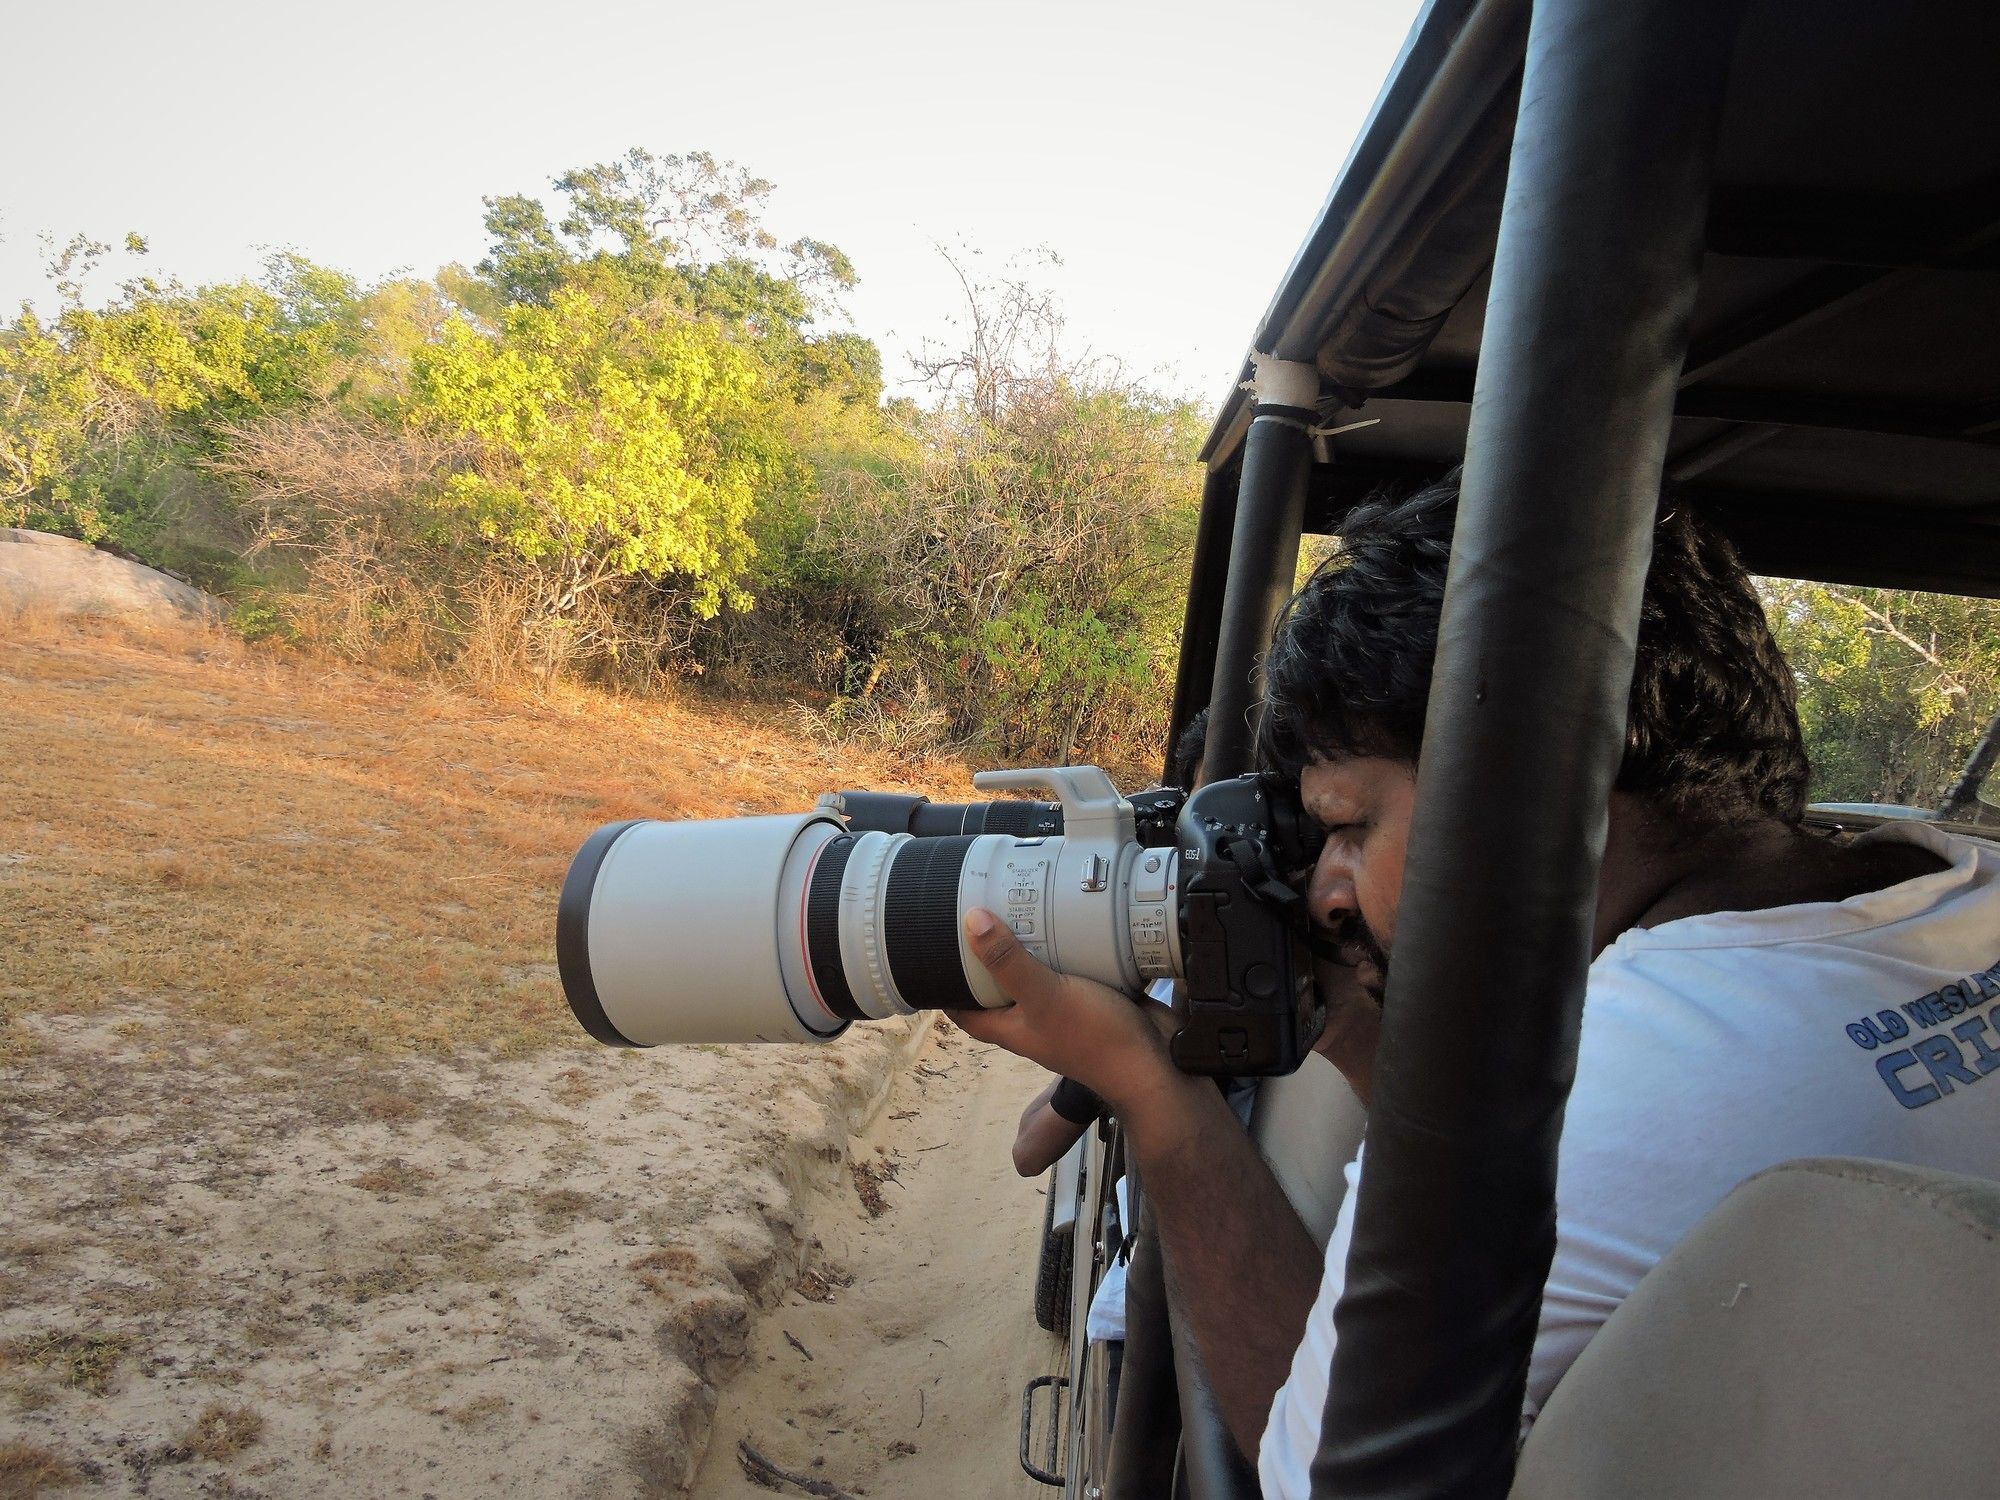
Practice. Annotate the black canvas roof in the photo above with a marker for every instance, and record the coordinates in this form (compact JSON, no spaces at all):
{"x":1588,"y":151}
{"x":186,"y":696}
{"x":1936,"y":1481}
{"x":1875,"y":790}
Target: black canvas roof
{"x":1839,"y":412}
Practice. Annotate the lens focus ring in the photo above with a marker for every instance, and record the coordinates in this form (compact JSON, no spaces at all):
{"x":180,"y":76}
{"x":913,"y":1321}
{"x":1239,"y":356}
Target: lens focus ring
{"x":920,"y":924}
{"x":823,"y":929}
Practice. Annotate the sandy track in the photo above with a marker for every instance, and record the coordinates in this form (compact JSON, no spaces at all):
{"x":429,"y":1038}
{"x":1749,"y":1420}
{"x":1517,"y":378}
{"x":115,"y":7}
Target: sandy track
{"x":926,"y":1334}
{"x":500,"y":1277}
{"x":310,"y":1184}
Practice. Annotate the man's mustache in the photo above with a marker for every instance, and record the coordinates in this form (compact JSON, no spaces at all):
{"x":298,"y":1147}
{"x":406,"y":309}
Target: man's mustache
{"x":1356,"y":945}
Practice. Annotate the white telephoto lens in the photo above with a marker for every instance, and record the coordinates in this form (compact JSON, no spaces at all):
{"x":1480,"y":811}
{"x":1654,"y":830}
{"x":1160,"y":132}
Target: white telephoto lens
{"x":786,"y":929}
{"x":694,"y":932}
{"x":1102,"y":912}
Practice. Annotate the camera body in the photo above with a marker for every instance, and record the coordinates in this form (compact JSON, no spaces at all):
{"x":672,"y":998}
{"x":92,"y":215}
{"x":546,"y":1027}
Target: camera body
{"x":790,"y":928}
{"x":1250,"y":1005}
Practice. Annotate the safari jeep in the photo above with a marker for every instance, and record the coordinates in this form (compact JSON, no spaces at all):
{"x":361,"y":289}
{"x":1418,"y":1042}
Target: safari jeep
{"x":1584,"y":247}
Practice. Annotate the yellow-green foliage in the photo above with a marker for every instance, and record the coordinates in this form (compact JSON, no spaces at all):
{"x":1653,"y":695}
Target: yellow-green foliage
{"x":100,"y":402}
{"x":607,"y":442}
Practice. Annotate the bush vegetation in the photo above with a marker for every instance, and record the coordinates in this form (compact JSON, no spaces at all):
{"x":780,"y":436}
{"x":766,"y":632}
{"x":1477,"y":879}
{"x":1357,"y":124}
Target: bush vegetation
{"x":1897,"y":688}
{"x":636,"y":443}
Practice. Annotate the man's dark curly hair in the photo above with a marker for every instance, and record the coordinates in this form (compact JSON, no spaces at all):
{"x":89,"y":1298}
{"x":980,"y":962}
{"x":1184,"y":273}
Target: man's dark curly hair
{"x":1713,"y":737}
{"x":1184,"y":762}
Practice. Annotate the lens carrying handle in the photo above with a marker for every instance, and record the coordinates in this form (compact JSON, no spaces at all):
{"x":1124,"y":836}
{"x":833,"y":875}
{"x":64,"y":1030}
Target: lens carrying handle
{"x":1092,"y":806}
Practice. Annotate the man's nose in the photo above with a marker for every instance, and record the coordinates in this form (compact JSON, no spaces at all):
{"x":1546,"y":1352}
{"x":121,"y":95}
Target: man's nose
{"x":1330,"y":896}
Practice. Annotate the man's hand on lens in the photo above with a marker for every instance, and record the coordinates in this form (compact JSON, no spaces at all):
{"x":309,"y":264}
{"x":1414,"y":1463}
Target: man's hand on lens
{"x":1111,"y":1043}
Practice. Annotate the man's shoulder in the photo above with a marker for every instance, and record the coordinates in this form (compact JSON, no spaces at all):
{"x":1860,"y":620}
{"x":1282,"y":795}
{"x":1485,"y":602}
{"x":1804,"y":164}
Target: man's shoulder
{"x":1828,"y":1027}
{"x":1946,"y":914}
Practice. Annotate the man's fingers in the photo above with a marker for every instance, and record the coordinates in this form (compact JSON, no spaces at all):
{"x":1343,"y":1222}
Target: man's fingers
{"x":1019,"y":974}
{"x":983,"y":1025}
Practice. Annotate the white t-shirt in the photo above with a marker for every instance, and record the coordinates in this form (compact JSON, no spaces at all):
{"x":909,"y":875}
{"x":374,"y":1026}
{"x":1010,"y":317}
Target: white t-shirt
{"x":1716,"y":1046}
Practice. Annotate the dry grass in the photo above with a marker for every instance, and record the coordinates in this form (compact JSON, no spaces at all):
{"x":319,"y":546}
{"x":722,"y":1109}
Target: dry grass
{"x":392,"y":1176}
{"x":391,"y":1108}
{"x":670,"y":1268}
{"x":479,"y":1412}
{"x":224,"y":1431}
{"x":325,"y":855}
{"x":80,"y":1361}
{"x":27,"y":1471}
{"x":562,"y":1204}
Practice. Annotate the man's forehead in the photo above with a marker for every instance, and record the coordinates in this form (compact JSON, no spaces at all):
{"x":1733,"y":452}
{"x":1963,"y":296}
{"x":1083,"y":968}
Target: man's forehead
{"x":1351,"y":777}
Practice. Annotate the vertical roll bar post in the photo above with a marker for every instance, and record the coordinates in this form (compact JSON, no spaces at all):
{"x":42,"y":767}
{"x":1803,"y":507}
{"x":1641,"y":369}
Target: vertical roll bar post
{"x":1593,"y":286}
{"x":1263,"y":553}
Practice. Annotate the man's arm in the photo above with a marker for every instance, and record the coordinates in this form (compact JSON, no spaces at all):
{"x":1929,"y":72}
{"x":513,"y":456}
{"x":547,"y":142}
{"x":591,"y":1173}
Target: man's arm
{"x":1044,"y":1134}
{"x":1241,"y":1268}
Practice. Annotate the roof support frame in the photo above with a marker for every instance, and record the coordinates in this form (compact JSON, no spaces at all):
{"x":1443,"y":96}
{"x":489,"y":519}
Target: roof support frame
{"x":1471,"y":45}
{"x":1817,"y":296}
{"x":1263,"y":560}
{"x":1885,"y":234}
{"x":1804,"y":411}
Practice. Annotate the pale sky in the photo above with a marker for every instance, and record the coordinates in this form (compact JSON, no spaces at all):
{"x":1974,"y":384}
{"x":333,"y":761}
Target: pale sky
{"x":1174,"y":155}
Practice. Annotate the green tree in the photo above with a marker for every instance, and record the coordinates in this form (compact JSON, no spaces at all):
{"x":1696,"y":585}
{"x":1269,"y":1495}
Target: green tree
{"x":110,"y":411}
{"x":605,"y":445}
{"x":1894,"y":687}
{"x":687,"y":231}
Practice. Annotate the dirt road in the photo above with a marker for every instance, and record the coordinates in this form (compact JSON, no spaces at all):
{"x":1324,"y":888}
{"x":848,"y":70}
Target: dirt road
{"x":896,"y":1370}
{"x":312,"y":1186}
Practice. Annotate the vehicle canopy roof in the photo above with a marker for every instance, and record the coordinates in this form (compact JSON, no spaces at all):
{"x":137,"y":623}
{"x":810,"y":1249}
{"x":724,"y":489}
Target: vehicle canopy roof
{"x":1839,"y":411}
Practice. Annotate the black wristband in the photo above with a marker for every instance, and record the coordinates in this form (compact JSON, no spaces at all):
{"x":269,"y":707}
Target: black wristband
{"x":1075,"y":1103}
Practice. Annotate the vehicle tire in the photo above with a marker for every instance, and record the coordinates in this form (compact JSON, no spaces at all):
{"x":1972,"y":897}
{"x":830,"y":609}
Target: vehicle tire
{"x":1052,"y":1274}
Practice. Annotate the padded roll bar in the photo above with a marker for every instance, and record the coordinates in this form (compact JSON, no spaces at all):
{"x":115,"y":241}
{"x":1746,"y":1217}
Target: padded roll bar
{"x":1586,"y":329}
{"x":1146,"y":1425}
{"x":1195,"y":679}
{"x":1263,"y":555}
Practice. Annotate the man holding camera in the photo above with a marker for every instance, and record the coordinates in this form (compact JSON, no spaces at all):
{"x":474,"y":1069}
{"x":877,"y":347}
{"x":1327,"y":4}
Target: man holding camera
{"x":1737,"y":958}
{"x":1057,"y":1117}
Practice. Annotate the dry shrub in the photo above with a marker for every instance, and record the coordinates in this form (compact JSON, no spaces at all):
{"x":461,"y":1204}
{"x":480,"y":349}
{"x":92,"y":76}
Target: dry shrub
{"x":27,"y":1471}
{"x":1012,"y":580}
{"x":340,"y":502}
{"x":383,"y":569}
{"x":912,"y":728}
{"x":222,"y":1432}
{"x":311,"y":472}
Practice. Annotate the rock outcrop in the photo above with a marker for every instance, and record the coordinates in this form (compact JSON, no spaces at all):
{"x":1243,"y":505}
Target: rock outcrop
{"x":68,"y":577}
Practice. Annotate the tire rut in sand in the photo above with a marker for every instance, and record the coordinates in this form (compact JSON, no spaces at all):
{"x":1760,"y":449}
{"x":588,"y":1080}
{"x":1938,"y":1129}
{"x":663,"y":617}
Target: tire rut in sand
{"x":894,"y":1368}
